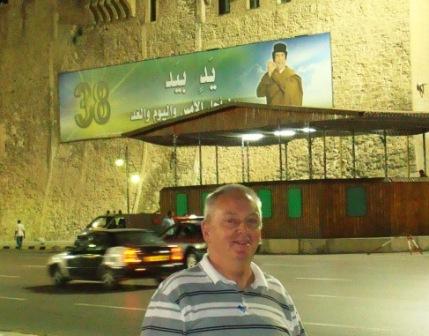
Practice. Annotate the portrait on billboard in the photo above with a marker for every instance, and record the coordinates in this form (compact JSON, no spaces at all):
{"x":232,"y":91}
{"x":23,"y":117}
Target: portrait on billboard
{"x":281,"y":85}
{"x":108,"y":101}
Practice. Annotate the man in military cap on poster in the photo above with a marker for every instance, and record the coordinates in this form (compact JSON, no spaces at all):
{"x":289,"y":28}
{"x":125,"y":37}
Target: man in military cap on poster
{"x":280,"y":84}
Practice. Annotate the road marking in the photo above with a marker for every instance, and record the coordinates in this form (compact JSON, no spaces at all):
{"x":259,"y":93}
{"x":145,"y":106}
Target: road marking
{"x":286,"y":265}
{"x":324,"y":279}
{"x":9,"y":276}
{"x":111,"y":307}
{"x":35,"y":266}
{"x":12,"y":298}
{"x":345,"y":326}
{"x":335,"y":296}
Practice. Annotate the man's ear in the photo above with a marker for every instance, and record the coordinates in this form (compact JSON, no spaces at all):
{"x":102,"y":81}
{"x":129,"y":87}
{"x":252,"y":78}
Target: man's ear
{"x":205,"y":228}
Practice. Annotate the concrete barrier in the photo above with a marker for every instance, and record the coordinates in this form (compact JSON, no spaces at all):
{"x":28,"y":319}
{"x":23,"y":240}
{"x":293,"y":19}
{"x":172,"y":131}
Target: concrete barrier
{"x":357,"y":245}
{"x":280,"y":246}
{"x":423,"y":242}
{"x":399,"y":244}
{"x":341,"y":245}
{"x":313,"y":246}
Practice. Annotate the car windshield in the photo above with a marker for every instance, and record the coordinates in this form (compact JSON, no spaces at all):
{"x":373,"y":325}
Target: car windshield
{"x":132,"y":238}
{"x":192,"y":230}
{"x":172,"y":231}
{"x":97,"y":223}
{"x":183,"y":229}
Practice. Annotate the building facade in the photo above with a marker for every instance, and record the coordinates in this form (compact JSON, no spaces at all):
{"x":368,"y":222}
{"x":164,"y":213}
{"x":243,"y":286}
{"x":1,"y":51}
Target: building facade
{"x":380,"y":61}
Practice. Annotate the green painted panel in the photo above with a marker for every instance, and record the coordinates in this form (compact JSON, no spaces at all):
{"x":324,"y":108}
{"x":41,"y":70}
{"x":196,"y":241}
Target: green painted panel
{"x":294,"y":202}
{"x":203,"y":201}
{"x":181,"y":204}
{"x":356,"y":201}
{"x":267,"y":202}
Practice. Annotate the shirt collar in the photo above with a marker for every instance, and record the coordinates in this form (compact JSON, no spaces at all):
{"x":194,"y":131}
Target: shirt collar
{"x":215,"y":276}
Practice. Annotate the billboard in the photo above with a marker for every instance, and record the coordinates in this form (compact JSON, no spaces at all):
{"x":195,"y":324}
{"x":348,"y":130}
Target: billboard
{"x":108,"y":101}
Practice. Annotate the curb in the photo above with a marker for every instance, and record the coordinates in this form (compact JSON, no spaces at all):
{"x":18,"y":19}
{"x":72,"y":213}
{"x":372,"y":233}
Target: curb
{"x":11,"y":333}
{"x":48,"y":247}
{"x":279,"y":246}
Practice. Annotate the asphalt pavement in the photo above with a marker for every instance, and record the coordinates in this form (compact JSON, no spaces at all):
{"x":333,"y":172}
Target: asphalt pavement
{"x":336,"y":295}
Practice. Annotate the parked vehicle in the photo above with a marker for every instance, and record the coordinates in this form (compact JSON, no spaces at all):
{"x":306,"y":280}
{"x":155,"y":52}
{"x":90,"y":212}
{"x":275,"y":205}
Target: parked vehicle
{"x":113,"y":255}
{"x":120,"y":221}
{"x":186,"y":233}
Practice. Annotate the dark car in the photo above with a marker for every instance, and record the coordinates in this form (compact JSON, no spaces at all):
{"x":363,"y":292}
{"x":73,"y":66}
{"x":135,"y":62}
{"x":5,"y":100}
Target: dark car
{"x":186,"y":233}
{"x":148,"y":221}
{"x":114,"y":255}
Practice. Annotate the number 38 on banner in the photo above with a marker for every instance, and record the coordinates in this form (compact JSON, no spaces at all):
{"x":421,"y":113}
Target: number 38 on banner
{"x":94,"y":104}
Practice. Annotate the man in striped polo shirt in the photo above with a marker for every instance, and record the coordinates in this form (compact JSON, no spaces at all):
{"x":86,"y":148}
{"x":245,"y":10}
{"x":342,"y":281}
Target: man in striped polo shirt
{"x":226,"y":293}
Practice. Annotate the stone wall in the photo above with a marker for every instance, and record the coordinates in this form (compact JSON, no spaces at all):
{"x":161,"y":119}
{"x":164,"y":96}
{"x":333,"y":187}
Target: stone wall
{"x":419,"y":66}
{"x":56,"y":188}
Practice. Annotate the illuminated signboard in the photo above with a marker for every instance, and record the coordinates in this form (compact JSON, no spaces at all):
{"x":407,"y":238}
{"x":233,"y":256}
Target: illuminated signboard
{"x":106,"y":102}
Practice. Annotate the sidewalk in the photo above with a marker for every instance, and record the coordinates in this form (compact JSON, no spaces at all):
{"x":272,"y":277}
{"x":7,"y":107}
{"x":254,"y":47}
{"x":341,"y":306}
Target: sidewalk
{"x":10,"y":333}
{"x":50,"y":246}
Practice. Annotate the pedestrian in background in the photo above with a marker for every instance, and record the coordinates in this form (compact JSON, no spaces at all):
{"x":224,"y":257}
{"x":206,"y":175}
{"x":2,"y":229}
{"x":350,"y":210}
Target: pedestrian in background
{"x":168,"y":221}
{"x":110,"y":220}
{"x":19,"y":234}
{"x":225,"y":293}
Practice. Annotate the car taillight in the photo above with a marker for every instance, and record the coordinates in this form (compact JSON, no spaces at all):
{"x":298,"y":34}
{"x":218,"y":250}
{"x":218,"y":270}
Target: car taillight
{"x":176,"y":253}
{"x":131,"y":256}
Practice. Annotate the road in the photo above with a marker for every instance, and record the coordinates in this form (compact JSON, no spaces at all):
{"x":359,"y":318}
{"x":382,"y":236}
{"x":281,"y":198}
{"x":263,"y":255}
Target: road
{"x":336,"y":295}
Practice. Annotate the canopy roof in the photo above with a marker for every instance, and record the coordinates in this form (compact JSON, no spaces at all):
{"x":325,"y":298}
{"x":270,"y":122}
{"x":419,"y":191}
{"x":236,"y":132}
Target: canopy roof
{"x":224,"y":125}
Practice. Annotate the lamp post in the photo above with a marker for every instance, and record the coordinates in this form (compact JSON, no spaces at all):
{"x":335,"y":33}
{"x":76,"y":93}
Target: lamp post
{"x":245,"y":139}
{"x":134,"y":177}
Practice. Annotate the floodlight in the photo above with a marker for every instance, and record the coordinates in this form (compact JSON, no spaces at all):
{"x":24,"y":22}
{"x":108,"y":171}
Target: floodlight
{"x":308,"y":130}
{"x":252,"y":136}
{"x":284,"y":133}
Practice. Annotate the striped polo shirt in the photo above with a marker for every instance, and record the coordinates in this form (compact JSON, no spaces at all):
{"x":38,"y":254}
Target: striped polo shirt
{"x":200,"y":301}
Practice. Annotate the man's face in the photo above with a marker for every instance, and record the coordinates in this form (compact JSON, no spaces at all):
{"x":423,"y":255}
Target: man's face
{"x":233,"y":229}
{"x":280,"y":59}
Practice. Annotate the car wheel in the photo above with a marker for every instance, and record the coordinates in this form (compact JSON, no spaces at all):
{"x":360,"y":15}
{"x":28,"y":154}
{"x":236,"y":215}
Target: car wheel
{"x":59,"y":279}
{"x":110,"y":281}
{"x":191,"y":260}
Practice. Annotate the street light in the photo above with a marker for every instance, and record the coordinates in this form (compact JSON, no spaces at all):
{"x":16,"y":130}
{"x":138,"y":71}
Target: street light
{"x":133,"y":177}
{"x":119,"y":162}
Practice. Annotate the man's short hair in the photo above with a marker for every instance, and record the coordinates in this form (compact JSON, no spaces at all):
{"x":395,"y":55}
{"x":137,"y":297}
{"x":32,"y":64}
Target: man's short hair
{"x":229,"y":189}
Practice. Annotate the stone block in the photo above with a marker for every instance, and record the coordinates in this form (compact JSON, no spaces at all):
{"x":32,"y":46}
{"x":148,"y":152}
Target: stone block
{"x":423,"y":242}
{"x":280,"y":246}
{"x":358,"y":245}
{"x":399,"y":244}
{"x":312,"y":246}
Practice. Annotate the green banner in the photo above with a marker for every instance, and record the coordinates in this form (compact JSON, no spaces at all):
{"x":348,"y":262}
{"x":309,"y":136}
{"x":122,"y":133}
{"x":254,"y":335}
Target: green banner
{"x":108,"y":101}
